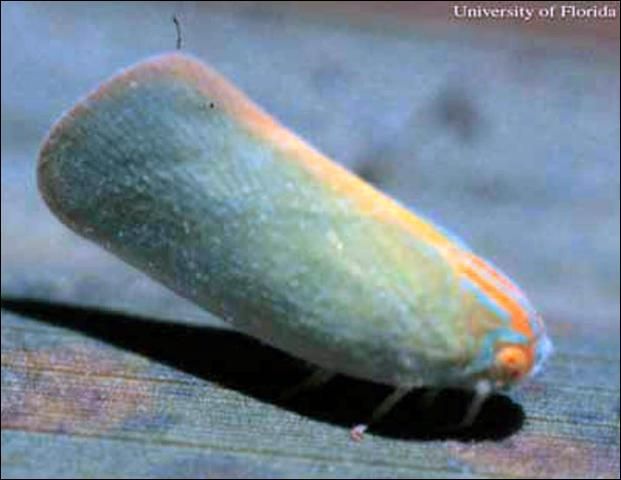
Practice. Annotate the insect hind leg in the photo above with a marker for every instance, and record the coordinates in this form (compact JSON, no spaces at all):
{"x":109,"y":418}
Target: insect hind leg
{"x":316,"y":379}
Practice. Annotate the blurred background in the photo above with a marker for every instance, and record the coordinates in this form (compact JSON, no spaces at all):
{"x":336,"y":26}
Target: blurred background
{"x":504,"y":131}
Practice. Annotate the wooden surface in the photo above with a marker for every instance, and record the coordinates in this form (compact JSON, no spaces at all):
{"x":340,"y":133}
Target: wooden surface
{"x":105,"y":373}
{"x":90,"y":392}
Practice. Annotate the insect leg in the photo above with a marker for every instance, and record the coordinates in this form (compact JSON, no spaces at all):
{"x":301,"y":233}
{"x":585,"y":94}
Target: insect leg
{"x":482,"y":391}
{"x":314,"y":380}
{"x":382,"y":409}
{"x":429,"y":397}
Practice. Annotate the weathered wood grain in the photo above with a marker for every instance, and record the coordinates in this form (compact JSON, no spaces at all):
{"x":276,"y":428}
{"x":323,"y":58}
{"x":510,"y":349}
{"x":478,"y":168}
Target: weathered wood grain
{"x":88,"y":375}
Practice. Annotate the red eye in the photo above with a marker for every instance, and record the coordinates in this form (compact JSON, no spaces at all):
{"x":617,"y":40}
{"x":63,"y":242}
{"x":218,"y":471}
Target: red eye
{"x":514,"y":361}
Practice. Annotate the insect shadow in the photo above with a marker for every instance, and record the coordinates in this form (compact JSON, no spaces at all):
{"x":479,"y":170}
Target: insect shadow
{"x":237,"y":361}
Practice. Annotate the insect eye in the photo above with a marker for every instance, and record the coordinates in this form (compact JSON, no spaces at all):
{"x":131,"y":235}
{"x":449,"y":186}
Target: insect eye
{"x":513,"y":361}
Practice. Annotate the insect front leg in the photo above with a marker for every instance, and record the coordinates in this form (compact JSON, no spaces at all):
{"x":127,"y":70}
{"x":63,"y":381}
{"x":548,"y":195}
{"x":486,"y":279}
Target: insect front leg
{"x":482,"y":391}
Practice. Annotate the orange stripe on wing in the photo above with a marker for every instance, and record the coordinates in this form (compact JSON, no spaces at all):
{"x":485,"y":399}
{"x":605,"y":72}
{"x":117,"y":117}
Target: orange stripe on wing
{"x":502,"y":291}
{"x":495,"y":274}
{"x":488,"y":282}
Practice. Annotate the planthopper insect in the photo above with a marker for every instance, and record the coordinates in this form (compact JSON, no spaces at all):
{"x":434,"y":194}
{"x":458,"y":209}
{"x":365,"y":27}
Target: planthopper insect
{"x":170,"y":167}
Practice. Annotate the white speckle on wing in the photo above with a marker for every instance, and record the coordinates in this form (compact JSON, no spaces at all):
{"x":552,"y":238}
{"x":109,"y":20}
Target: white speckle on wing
{"x":335,"y":240}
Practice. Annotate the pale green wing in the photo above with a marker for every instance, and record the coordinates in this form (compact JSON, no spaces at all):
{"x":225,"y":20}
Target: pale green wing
{"x":159,"y":175}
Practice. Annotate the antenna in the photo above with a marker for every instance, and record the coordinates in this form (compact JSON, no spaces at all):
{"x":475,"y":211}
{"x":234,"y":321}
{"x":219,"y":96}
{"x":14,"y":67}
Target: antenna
{"x":178,"y":29}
